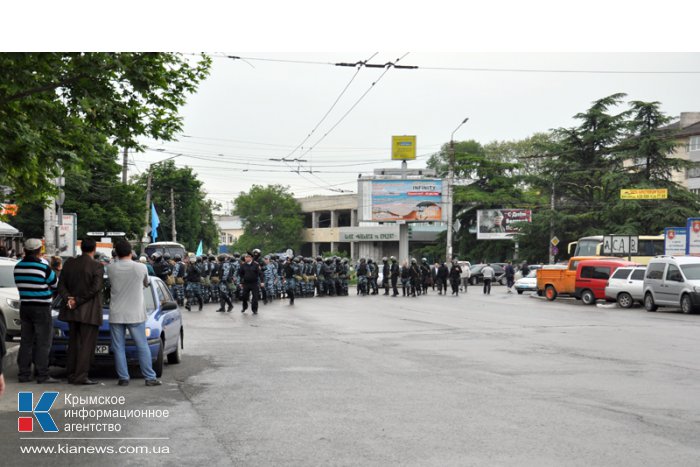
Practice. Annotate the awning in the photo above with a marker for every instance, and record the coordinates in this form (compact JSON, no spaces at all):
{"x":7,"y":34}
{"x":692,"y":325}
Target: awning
{"x":6,"y":230}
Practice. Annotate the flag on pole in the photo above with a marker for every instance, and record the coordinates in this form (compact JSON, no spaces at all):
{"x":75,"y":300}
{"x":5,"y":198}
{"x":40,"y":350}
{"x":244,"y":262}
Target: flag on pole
{"x":199,"y":249}
{"x":155,"y":222}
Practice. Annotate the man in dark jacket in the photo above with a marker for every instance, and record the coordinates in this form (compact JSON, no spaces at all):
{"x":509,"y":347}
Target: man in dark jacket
{"x":81,"y":288}
{"x":394,"y":276}
{"x":386,"y":275}
{"x":251,"y":279}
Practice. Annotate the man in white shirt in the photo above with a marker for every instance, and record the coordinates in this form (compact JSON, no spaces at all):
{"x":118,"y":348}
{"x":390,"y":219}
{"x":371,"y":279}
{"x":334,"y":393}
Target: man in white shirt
{"x":489,"y":274}
{"x":127,"y":279}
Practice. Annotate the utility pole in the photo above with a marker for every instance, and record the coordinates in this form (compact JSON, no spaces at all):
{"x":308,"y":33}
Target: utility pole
{"x":551,"y":228}
{"x":172,"y":213}
{"x":147,"y":227}
{"x":450,"y":189}
{"x":125,"y":163}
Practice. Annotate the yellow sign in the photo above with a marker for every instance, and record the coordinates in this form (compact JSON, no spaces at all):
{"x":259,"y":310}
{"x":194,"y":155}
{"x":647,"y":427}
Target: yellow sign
{"x":653,"y":193}
{"x":403,"y":148}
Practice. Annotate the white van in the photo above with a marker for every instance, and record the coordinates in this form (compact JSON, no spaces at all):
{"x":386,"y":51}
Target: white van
{"x":673,"y":281}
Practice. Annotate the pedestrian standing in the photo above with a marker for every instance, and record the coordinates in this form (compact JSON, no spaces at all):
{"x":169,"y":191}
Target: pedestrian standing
{"x":394,"y":276}
{"x":80,"y":286}
{"x":35,"y":281}
{"x":127,"y":310}
{"x":455,"y":277}
{"x":386,"y":271}
{"x":443,"y":276}
{"x":3,"y":351}
{"x":489,"y":274}
{"x":510,"y":276}
{"x":251,"y":280}
{"x":466,"y":275}
{"x":56,"y":264}
{"x":194,"y":283}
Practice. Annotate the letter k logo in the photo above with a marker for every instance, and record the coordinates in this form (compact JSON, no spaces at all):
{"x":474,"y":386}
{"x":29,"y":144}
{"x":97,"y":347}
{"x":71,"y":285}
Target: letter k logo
{"x":25,"y":403}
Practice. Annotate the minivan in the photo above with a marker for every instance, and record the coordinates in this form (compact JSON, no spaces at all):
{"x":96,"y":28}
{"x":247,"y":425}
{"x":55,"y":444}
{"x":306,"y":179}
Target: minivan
{"x":592,"y":276}
{"x":673,"y":281}
{"x":626,"y":286}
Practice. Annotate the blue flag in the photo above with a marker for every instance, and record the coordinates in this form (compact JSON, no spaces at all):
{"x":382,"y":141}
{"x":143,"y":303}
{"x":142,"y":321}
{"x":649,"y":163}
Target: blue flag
{"x":155,"y":222}
{"x":199,"y":249}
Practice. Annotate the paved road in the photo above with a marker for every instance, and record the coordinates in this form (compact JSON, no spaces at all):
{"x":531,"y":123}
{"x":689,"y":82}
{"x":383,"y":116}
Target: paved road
{"x":437,"y":380}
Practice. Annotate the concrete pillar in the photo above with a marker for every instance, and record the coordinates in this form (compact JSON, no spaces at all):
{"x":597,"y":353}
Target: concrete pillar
{"x":334,"y":218}
{"x":333,"y":246}
{"x":353,"y":218}
{"x":314,"y":249}
{"x":403,"y":242}
{"x":352,"y":251}
{"x":314,"y":219}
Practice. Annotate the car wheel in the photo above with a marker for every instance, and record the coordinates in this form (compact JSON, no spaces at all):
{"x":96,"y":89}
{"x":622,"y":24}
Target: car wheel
{"x":625,"y":300}
{"x":550,"y":293}
{"x":588,"y":298}
{"x":649,"y":304}
{"x":503,"y":280}
{"x":158,"y":364}
{"x":520,"y":292}
{"x":686,"y":304}
{"x":175,"y":356}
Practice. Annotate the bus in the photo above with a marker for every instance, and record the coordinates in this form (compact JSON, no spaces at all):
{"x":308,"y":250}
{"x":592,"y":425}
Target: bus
{"x":171,"y":248}
{"x":649,"y":246}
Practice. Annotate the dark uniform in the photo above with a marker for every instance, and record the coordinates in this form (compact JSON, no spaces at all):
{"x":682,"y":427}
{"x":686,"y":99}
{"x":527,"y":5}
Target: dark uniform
{"x":194,"y":284}
{"x":251,"y":277}
{"x":394,"y":276}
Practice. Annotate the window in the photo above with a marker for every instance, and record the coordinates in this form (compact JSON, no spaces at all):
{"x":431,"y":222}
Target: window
{"x":621,"y":273}
{"x":694,"y":144}
{"x":694,"y":171}
{"x":656,"y":271}
{"x":148,"y":300}
{"x":573,"y":265}
{"x":638,"y":275}
{"x":650,"y":248}
{"x":674,"y":274}
{"x":165,"y":291}
{"x":159,"y":293}
{"x":595,"y":272}
{"x":691,"y":271}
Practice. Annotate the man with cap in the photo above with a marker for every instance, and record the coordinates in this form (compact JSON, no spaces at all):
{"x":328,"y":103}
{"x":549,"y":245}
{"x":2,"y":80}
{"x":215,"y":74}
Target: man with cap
{"x":251,"y":280}
{"x":35,"y":282}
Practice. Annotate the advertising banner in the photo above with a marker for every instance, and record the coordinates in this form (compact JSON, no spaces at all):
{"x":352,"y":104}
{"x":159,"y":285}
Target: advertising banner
{"x":692,"y":246}
{"x":675,"y":239}
{"x":67,"y":235}
{"x":406,"y":200}
{"x":654,"y":193}
{"x":498,"y":224}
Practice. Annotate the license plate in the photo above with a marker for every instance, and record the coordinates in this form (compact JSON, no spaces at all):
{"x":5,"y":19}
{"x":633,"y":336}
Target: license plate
{"x":102,"y":350}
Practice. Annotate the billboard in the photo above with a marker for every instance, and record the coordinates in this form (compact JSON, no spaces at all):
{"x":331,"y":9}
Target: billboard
{"x":498,"y":224}
{"x":403,"y":148}
{"x":418,"y":200}
{"x":675,"y":240}
{"x":653,"y":193}
{"x":67,"y":235}
{"x":692,"y":246}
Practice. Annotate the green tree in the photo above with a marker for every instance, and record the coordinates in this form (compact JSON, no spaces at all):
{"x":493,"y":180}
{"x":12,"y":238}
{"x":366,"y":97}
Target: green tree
{"x":63,"y":107}
{"x":194,"y":218}
{"x":272,"y":219}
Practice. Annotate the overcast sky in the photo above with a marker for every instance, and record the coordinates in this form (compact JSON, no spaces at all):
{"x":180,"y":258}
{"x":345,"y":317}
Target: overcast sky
{"x":251,"y":111}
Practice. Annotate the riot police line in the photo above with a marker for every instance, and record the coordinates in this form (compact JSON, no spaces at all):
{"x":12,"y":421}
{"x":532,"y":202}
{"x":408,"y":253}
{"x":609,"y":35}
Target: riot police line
{"x":226,"y":279}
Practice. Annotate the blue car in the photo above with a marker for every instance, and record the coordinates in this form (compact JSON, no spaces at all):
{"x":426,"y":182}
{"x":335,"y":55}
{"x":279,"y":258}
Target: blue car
{"x":164,"y":330}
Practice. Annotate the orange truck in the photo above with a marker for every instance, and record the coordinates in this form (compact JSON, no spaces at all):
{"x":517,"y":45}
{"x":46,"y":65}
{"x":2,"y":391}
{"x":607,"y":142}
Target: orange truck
{"x":555,"y":280}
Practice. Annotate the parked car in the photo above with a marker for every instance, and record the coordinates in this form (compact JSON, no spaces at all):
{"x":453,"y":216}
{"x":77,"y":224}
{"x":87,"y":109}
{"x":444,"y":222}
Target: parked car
{"x":673,"y":281}
{"x":592,"y":276}
{"x":626,"y":286}
{"x":164,"y":331}
{"x":527,"y":283}
{"x":477,"y":276}
{"x":9,"y":298}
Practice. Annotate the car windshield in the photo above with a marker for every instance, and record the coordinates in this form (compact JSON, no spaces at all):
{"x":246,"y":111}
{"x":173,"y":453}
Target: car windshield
{"x":476,"y":268}
{"x":532,"y":274}
{"x":691,"y":271}
{"x":7,"y":278}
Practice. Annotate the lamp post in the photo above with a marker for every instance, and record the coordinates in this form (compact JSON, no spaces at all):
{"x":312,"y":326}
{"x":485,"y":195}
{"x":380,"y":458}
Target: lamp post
{"x":450,"y":189}
{"x":147,"y":226}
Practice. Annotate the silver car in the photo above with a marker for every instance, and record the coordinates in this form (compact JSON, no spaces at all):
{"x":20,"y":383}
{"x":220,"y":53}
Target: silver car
{"x":626,"y":286}
{"x":9,"y":298}
{"x":673,"y":281}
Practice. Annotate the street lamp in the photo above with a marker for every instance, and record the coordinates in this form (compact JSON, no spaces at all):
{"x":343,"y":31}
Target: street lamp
{"x":450,"y":189}
{"x":147,"y":225}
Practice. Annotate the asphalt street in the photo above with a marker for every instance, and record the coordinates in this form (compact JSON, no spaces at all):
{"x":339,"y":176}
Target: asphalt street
{"x":434,"y":380}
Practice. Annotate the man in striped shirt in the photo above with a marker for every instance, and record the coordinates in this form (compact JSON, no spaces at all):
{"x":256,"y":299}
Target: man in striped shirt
{"x":35,"y":282}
